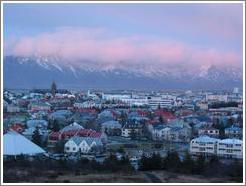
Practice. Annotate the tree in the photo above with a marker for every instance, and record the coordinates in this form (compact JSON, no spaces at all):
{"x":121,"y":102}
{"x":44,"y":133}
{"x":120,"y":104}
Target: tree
{"x":59,"y":147}
{"x":144,"y":164}
{"x":56,"y":126}
{"x":229,"y":122}
{"x":53,"y":88}
{"x":200,"y":164}
{"x":172,"y":161}
{"x":133,"y":134}
{"x":161,"y":120}
{"x":156,"y":161}
{"x":36,"y":137}
{"x":188,"y":163}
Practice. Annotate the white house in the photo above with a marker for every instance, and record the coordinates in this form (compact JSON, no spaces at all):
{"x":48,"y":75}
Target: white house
{"x":230,"y":148}
{"x":82,"y":144}
{"x":203,"y":145}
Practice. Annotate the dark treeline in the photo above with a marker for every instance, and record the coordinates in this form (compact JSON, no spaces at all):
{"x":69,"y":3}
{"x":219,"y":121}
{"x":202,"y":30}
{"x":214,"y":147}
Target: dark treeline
{"x":54,"y":168}
{"x":223,"y":104}
{"x":210,"y":166}
{"x":43,"y":91}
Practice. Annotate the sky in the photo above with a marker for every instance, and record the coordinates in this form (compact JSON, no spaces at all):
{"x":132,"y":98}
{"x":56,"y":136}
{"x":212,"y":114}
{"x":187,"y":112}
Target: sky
{"x":118,"y":35}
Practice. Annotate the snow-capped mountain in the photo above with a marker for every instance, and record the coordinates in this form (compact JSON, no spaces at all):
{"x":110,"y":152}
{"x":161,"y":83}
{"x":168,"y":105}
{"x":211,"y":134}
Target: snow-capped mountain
{"x":39,"y":71}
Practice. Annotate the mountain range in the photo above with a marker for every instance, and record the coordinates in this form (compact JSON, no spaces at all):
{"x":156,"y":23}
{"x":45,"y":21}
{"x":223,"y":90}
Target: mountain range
{"x":39,"y":72}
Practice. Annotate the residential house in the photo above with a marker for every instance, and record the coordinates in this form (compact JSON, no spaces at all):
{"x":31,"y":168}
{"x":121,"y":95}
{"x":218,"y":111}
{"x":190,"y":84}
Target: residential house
{"x":38,"y":106}
{"x":160,"y":132}
{"x":132,"y":129}
{"x":167,"y":116}
{"x":209,"y":131}
{"x":111,"y":127}
{"x":180,"y":134}
{"x":234,"y":132}
{"x":54,"y":137}
{"x":83,"y":145}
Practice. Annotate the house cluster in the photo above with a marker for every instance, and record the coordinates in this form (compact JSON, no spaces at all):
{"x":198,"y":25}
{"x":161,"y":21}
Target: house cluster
{"x":83,"y":122}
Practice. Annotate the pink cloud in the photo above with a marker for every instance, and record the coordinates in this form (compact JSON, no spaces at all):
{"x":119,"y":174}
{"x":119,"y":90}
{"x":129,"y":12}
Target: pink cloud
{"x":103,"y":50}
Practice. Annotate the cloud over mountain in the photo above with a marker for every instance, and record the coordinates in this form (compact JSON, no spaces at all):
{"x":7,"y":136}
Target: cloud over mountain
{"x":102,"y":48}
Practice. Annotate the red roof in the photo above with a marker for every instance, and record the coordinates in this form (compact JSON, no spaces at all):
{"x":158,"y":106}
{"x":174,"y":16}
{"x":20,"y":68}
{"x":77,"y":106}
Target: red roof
{"x":86,"y":110}
{"x":17,"y":127}
{"x":70,"y":133}
{"x":164,"y":114}
{"x":154,"y":122}
{"x":142,"y":112}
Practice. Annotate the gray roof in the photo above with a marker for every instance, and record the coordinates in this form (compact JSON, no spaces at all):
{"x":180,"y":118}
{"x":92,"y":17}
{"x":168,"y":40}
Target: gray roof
{"x":73,"y":126}
{"x":111,"y":123}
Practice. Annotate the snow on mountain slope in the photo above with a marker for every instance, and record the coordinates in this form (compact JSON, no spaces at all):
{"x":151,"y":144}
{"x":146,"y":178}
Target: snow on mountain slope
{"x":40,"y":71}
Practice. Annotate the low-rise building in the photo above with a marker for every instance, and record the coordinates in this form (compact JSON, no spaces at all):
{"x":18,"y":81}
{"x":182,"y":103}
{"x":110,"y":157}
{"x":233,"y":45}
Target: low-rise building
{"x":160,"y":133}
{"x":226,"y":148}
{"x":203,"y":145}
{"x":230,"y":148}
{"x":132,"y":130}
{"x":209,"y":131}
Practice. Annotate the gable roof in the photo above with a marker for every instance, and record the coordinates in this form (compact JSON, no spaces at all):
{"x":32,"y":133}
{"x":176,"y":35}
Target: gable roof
{"x":89,"y":140}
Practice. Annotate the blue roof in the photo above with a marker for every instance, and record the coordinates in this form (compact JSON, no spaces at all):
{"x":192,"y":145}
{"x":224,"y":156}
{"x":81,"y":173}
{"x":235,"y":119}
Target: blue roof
{"x":159,"y":127}
{"x":205,"y":139}
{"x":234,"y":128}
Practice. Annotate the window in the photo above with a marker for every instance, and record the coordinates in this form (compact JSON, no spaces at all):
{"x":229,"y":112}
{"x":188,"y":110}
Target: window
{"x":67,"y":148}
{"x":238,"y":145}
{"x":229,"y":151}
{"x":73,"y":148}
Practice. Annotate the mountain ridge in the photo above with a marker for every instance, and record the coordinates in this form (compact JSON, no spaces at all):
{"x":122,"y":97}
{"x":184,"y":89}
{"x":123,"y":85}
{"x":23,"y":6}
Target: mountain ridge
{"x":23,"y":72}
